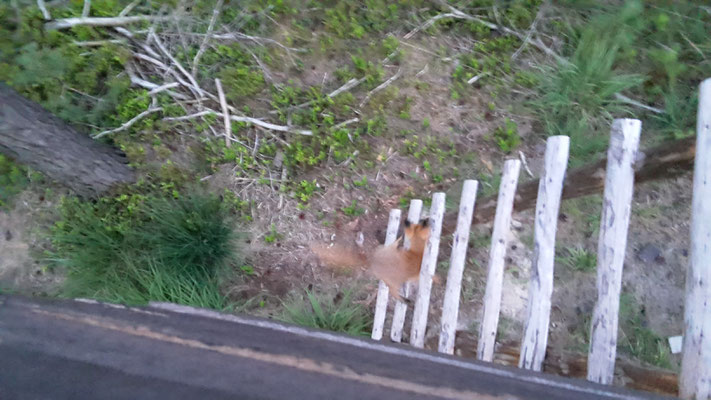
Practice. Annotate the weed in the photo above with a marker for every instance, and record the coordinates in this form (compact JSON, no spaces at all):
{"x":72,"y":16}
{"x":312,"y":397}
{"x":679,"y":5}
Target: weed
{"x":636,"y":339}
{"x":363,"y":182}
{"x":506,"y":136}
{"x":579,"y":259}
{"x":353,"y":210}
{"x":324,"y":312}
{"x":577,"y":98}
{"x":273,"y":235}
{"x":14,"y":178}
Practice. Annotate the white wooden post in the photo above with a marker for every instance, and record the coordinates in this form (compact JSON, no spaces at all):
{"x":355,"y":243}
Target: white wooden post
{"x":429,"y":264}
{"x":550,"y":187}
{"x":381,"y":303}
{"x":497,"y":254}
{"x":450,"y":306}
{"x":619,"y":184}
{"x":400,"y":311}
{"x":695,"y":377}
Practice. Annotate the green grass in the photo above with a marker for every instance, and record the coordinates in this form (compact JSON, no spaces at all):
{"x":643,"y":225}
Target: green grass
{"x":14,"y":178}
{"x":159,"y":249}
{"x":578,"y":259}
{"x":325,"y":312}
{"x":638,"y":340}
{"x":577,"y":98}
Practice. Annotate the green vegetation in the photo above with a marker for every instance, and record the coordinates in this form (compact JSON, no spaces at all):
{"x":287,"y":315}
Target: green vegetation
{"x":13,"y":179}
{"x":637,"y":339}
{"x":338,"y":314}
{"x":138,"y":248}
{"x":578,"y":259}
{"x":506,"y":136}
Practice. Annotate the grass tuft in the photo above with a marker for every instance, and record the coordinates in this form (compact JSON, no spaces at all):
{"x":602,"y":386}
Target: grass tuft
{"x":325,"y":312}
{"x":164,"y":250}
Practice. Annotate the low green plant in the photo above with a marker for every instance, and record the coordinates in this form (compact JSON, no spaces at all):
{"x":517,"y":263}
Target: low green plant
{"x":578,"y":259}
{"x":637,"y":339}
{"x":353,"y":210}
{"x":325,"y":312}
{"x":273,"y":235}
{"x":506,"y":136}
{"x":14,"y":178}
{"x":578,"y":96}
{"x":137,"y":248}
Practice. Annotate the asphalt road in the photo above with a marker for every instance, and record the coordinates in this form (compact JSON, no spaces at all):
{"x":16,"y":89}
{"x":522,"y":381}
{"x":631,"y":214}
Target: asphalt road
{"x":83,"y":350}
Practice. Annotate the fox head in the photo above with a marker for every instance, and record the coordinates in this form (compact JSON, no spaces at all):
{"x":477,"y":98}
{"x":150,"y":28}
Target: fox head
{"x":417,"y":234}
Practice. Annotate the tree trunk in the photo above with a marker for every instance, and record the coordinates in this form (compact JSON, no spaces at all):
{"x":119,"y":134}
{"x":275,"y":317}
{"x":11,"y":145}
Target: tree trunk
{"x":33,"y":136}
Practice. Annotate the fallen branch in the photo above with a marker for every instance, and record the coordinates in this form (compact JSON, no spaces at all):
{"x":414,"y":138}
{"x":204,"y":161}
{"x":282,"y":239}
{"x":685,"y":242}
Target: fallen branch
{"x":344,"y":123}
{"x":636,"y":103}
{"x":381,"y":87}
{"x":165,"y":87}
{"x":530,"y":31}
{"x":85,"y":10}
{"x":94,"y":43}
{"x":256,"y":39}
{"x":128,"y":123}
{"x":210,"y":27}
{"x":664,"y":161}
{"x":128,"y":8}
{"x":43,"y":8}
{"x":225,"y":112}
{"x":99,"y":21}
{"x":260,"y":123}
{"x":346,"y":86}
{"x":193,"y":82}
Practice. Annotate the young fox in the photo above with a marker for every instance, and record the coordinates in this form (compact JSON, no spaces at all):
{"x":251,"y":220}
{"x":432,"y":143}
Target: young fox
{"x":391,"y":264}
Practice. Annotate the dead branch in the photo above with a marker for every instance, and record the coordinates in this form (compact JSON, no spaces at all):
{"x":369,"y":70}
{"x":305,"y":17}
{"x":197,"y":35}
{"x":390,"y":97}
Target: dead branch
{"x":86,"y":9}
{"x":625,"y":99}
{"x":128,"y":8}
{"x":225,"y":112}
{"x":128,"y":123}
{"x":530,"y":31}
{"x":164,"y":87}
{"x":210,"y":27}
{"x":381,"y":87}
{"x":258,"y":122}
{"x":43,"y":8}
{"x":65,"y":23}
{"x":95,"y":43}
{"x":161,"y":47}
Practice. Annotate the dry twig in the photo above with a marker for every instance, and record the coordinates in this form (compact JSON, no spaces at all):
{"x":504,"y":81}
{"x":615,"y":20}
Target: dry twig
{"x":225,"y":112}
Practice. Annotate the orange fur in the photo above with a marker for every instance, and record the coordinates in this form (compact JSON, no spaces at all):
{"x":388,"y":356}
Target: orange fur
{"x":391,"y":264}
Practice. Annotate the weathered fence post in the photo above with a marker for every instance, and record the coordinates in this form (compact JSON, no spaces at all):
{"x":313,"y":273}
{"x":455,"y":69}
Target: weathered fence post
{"x":400,"y":311}
{"x":695,"y":377}
{"x":381,"y":303}
{"x":497,"y":253}
{"x":450,"y":306}
{"x":619,"y":184}
{"x":535,"y":339}
{"x":429,"y":264}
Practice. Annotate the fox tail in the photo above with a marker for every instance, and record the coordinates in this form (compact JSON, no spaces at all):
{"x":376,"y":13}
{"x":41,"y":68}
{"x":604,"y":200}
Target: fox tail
{"x":338,"y":256}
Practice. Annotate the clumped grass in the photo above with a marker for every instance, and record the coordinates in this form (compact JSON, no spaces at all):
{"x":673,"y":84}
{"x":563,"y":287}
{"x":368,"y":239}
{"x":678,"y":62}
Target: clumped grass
{"x":577,"y":97}
{"x":636,"y":339}
{"x":138,"y":249}
{"x":325,"y":312}
{"x":579,"y":259}
{"x":13,"y":179}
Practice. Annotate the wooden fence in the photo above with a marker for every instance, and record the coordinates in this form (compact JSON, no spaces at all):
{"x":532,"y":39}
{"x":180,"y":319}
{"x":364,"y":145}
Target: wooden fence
{"x":695,"y":376}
